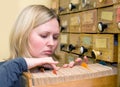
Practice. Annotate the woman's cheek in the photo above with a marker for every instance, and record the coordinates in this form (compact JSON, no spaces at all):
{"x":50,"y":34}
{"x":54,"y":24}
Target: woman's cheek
{"x":36,"y":42}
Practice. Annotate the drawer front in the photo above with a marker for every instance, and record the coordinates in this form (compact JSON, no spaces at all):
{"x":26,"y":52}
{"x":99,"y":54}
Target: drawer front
{"x":104,"y":47}
{"x":75,"y":24}
{"x":89,"y":21}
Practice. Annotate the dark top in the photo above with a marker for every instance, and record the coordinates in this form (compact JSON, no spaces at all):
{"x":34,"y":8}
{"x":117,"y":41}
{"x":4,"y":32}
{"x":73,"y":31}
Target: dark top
{"x":11,"y":71}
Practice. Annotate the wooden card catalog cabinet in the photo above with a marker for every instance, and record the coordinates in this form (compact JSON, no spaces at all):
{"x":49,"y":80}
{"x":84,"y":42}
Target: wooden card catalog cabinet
{"x":87,"y":4}
{"x":74,"y":5}
{"x":75,"y":23}
{"x":74,"y":43}
{"x":86,"y":42}
{"x":63,"y":42}
{"x":102,"y":3}
{"x":108,"y":19}
{"x":89,"y":21}
{"x":63,"y":7}
{"x":64,"y":19}
{"x":105,"y":47}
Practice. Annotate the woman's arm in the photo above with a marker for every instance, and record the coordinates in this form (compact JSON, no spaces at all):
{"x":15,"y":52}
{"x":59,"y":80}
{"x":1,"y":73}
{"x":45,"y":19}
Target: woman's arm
{"x":11,"y":70}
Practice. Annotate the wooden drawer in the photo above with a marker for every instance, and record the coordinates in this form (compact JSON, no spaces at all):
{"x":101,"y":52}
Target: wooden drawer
{"x":108,"y":19}
{"x":105,"y":47}
{"x":75,"y":24}
{"x":67,"y":77}
{"x":89,"y":21}
{"x":86,"y":41}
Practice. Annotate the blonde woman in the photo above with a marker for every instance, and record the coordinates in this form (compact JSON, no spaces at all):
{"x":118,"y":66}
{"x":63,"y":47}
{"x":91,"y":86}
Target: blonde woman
{"x":33,"y":41}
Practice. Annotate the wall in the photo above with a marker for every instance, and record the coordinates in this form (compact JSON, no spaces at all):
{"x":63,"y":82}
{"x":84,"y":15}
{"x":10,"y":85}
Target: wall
{"x":9,"y":10}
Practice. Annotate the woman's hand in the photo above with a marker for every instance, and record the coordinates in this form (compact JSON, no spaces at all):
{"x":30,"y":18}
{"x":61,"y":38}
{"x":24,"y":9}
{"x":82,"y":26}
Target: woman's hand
{"x":77,"y":61}
{"x":33,"y":62}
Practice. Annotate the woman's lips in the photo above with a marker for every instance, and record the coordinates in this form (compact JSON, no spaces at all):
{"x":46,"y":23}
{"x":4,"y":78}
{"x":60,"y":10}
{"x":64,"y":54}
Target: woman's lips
{"x":49,"y":52}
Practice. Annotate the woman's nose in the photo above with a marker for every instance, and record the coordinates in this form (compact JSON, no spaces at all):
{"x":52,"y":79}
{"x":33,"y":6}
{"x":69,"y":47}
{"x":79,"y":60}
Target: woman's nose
{"x":51,"y":41}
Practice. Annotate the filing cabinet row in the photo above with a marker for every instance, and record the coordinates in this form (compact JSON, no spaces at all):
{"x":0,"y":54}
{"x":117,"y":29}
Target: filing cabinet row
{"x":97,"y":46}
{"x":102,"y":20}
{"x":90,"y":28}
{"x":69,"y":6}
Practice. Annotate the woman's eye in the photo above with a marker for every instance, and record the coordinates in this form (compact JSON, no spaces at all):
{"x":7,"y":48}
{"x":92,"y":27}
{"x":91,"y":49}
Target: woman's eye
{"x":55,"y":37}
{"x":43,"y":36}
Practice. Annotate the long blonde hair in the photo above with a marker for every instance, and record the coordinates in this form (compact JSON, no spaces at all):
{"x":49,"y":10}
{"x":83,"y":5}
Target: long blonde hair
{"x":31,"y":17}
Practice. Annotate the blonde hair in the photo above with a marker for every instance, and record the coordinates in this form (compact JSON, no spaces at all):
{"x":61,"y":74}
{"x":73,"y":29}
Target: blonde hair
{"x":31,"y":17}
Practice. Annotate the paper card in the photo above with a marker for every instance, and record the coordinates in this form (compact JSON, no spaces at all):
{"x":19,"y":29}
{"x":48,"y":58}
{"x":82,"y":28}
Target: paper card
{"x":107,"y":15}
{"x":64,"y":39}
{"x":87,"y":41}
{"x":101,"y":43}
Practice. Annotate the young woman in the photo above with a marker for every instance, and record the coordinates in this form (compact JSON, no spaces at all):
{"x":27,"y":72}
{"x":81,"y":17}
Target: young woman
{"x":33,"y":41}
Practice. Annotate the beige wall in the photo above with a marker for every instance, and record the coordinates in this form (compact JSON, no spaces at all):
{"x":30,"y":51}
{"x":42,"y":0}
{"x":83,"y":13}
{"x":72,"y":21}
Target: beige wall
{"x":9,"y":10}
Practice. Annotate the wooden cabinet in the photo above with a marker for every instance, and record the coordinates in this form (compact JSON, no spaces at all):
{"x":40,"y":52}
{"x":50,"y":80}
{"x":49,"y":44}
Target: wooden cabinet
{"x":93,"y":29}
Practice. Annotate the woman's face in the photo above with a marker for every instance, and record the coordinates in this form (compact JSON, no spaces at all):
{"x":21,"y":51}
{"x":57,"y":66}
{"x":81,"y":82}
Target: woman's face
{"x":43,"y":39}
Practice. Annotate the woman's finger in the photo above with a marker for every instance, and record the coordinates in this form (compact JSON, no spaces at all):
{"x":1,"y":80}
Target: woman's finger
{"x":78,"y":61}
{"x":85,"y":59}
{"x":71,"y":64}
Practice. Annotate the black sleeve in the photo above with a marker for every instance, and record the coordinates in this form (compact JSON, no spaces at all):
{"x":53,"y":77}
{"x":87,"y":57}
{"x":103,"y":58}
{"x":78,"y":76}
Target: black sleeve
{"x":11,"y":70}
